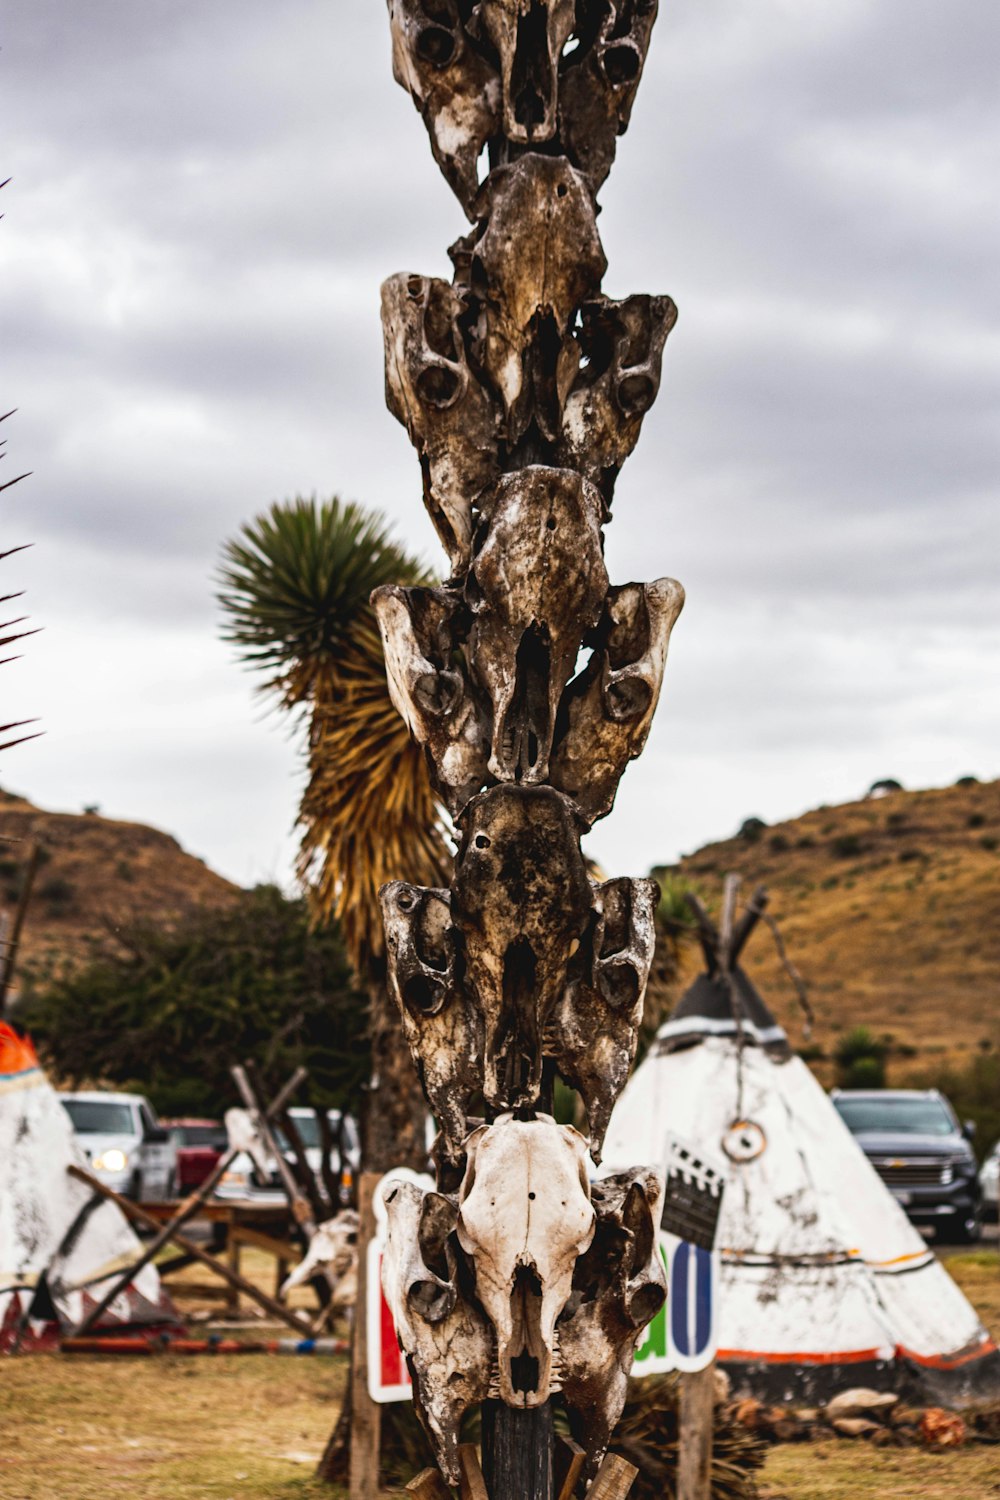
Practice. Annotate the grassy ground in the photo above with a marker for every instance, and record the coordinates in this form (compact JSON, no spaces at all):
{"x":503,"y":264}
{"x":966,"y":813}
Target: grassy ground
{"x":252,"y":1427}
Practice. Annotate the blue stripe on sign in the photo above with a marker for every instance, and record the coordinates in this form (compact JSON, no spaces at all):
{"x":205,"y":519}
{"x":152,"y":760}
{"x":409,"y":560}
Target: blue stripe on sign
{"x":679,"y":1299}
{"x":703,"y":1298}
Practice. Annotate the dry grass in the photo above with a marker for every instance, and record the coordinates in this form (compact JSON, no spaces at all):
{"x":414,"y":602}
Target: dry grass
{"x":888,"y":908}
{"x":251,"y":1427}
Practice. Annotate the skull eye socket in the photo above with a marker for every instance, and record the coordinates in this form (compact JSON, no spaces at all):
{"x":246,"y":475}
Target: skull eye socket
{"x":437,"y":385}
{"x":621,"y":64}
{"x":636,"y":394}
{"x":628,"y":698}
{"x":436,"y":46}
{"x":481,"y":841}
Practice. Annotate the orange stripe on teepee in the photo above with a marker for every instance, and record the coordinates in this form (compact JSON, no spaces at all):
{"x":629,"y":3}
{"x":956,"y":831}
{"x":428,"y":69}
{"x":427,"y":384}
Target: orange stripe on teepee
{"x":17,"y":1055}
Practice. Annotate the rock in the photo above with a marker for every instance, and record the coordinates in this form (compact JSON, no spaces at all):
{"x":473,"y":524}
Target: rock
{"x":807,"y":1413}
{"x":905,"y":1416}
{"x":942,"y":1429}
{"x":859,"y":1402}
{"x":855,"y":1426}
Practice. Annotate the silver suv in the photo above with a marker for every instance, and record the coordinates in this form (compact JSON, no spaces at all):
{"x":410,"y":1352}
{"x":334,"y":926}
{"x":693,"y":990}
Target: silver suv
{"x":127,"y":1147}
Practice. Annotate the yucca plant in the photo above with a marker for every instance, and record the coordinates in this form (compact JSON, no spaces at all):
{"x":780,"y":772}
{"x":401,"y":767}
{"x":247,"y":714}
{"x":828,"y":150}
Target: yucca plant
{"x":294,"y":587}
{"x":10,"y":626}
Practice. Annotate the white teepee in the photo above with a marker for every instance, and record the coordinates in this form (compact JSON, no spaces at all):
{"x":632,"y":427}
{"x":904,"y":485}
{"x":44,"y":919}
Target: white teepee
{"x":58,"y":1246}
{"x":824,"y":1281}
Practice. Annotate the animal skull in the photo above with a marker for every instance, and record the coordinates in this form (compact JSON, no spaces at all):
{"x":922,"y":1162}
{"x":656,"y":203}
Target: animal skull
{"x":599,"y":83}
{"x":447,"y":413}
{"x":456,"y":90}
{"x":243,"y":1135}
{"x":522,"y":903}
{"x":619,"y":1286}
{"x":606,"y":714}
{"x":333,"y":1250}
{"x":445,"y":1337}
{"x":594,"y":1026}
{"x":421,"y":632}
{"x":529,"y":35}
{"x":442,"y":1025}
{"x":537,"y":585}
{"x":524,"y":1217}
{"x":623,"y":347}
{"x":529,"y":286}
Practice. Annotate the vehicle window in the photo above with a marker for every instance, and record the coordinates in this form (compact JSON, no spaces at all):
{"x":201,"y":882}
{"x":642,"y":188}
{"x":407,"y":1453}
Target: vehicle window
{"x":351,"y":1140}
{"x":199,"y":1135}
{"x":896,"y":1116}
{"x":148,"y":1121}
{"x":99,"y":1117}
{"x":308,"y":1129}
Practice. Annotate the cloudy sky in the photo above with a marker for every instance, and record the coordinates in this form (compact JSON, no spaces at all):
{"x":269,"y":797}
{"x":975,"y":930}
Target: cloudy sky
{"x":206,"y":196}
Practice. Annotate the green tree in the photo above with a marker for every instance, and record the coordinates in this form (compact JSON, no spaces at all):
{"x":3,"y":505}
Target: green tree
{"x":294,"y":587}
{"x":860,"y":1057}
{"x":169,"y":1012}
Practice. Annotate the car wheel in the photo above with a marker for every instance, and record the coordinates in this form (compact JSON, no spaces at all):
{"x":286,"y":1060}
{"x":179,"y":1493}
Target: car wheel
{"x":965,"y":1229}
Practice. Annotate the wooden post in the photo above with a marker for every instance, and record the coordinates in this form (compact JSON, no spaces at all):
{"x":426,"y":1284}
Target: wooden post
{"x":613,"y":1479}
{"x":697,"y":1420}
{"x":133,"y":1211}
{"x":517,"y":1451}
{"x":233,"y":1249}
{"x":366,"y":1415}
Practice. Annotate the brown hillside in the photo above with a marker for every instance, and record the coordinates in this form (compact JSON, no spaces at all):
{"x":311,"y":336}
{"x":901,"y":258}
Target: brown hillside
{"x":98,"y":878}
{"x":890,"y":908}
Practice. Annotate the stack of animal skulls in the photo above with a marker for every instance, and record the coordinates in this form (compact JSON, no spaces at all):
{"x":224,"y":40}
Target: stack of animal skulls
{"x":523,"y":390}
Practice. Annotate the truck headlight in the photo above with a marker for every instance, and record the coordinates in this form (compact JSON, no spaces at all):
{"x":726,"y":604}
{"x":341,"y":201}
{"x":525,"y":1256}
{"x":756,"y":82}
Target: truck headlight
{"x":234,"y":1179}
{"x":111,"y":1160}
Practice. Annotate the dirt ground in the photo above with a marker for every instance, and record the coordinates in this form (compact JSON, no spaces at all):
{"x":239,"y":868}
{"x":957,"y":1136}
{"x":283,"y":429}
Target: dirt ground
{"x":251,"y":1427}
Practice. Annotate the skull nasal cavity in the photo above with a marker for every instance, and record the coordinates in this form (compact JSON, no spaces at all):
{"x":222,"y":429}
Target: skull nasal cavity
{"x":531,"y":76}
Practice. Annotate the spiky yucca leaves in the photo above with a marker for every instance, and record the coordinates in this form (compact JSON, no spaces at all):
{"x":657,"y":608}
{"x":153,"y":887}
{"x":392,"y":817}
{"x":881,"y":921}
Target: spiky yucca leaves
{"x":13,"y":634}
{"x":294,"y":586}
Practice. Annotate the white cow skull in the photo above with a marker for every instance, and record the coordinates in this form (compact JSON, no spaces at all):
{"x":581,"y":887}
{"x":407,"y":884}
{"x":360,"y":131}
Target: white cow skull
{"x":608,"y":709}
{"x":333,"y":1250}
{"x":447,"y":413}
{"x":243,"y":1135}
{"x":524,"y":1217}
{"x":445,"y":1338}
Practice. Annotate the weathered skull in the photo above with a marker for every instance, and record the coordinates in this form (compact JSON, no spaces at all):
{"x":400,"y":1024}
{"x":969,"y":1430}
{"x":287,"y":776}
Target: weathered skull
{"x":594,"y":1027}
{"x":598,"y":85}
{"x":455,"y":89}
{"x":243,"y":1135}
{"x":622,"y":343}
{"x":606,"y":714}
{"x":524,"y":1218}
{"x":333,"y":1251}
{"x":447,"y":413}
{"x":618,"y":1287}
{"x":529,"y":35}
{"x":530,"y":284}
{"x":522,"y":902}
{"x":445,"y":1337}
{"x":421,"y":631}
{"x":537,"y":586}
{"x":442,"y":1024}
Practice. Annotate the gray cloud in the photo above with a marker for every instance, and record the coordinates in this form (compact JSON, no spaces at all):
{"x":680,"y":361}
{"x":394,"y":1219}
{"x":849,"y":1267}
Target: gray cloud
{"x":206,"y":198}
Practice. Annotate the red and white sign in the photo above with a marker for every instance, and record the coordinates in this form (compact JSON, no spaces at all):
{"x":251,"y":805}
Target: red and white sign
{"x":388,"y":1377}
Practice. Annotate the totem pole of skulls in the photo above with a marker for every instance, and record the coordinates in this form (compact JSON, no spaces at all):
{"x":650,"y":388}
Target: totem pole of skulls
{"x":523,"y":390}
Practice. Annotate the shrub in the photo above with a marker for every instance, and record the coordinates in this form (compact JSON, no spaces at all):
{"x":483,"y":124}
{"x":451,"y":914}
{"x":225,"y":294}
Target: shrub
{"x":884,"y":787}
{"x":860,"y":1057}
{"x":976,"y":820}
{"x":58,"y":893}
{"x":778,"y":843}
{"x":751,"y":830}
{"x":847,"y":846}
{"x":989,"y":842}
{"x":91,"y":809}
{"x":895,"y":821}
{"x":806,"y":842}
{"x":967,"y":781}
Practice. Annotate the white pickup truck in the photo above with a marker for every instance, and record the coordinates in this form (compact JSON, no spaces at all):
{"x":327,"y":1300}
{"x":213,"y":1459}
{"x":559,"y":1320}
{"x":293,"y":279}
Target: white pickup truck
{"x":127,"y":1147}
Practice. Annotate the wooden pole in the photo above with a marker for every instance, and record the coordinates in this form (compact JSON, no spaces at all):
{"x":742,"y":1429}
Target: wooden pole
{"x":366,"y":1414}
{"x":186,"y":1211}
{"x":517,"y":1451}
{"x":133,"y":1211}
{"x":13,"y":939}
{"x":697,"y":1420}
